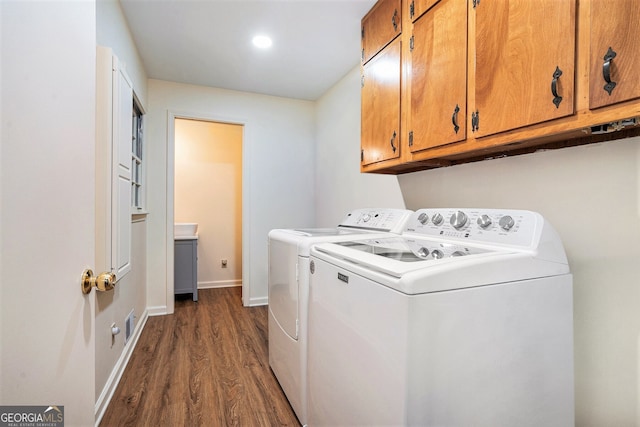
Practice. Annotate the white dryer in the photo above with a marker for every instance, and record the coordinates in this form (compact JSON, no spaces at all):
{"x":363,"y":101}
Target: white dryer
{"x":466,"y":319}
{"x":289,"y":290}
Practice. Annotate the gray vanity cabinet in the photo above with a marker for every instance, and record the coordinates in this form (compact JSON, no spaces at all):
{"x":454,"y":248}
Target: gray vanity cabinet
{"x":185,"y":273}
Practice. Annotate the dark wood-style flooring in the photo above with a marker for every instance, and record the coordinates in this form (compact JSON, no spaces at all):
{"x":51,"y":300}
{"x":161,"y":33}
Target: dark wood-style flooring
{"x":205,"y":365}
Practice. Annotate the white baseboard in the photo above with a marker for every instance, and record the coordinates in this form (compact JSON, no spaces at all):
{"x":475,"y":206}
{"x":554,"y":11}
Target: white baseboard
{"x":159,"y":310}
{"x":112,"y":382}
{"x":219,"y":284}
{"x":255,"y":302}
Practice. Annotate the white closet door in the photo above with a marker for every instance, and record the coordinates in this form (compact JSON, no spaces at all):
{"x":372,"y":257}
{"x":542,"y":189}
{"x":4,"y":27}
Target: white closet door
{"x":121,"y":171}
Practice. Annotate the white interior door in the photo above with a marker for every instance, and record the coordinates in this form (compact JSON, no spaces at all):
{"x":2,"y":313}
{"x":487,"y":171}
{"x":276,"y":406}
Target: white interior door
{"x":47,"y":352}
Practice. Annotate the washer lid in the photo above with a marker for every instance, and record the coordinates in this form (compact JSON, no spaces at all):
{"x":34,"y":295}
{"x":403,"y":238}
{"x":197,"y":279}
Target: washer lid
{"x":313,"y":232}
{"x":397,"y":256}
{"x":412,"y":250}
{"x":397,"y":263}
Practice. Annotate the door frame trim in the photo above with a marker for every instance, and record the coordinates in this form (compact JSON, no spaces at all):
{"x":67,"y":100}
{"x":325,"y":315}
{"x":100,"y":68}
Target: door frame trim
{"x":172,"y":115}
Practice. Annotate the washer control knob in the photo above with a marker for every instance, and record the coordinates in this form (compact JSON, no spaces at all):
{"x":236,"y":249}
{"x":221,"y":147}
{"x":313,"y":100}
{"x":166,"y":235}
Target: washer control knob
{"x":437,"y":219}
{"x":458,"y":220}
{"x":507,"y":223}
{"x":437,"y":254}
{"x":484,"y":221}
{"x":423,"y":252}
{"x":366,"y":217}
{"x":423,"y":218}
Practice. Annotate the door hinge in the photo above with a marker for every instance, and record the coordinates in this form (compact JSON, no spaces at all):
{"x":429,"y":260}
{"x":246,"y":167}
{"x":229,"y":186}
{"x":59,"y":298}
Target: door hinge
{"x":475,"y":121}
{"x":410,"y":138}
{"x":297,"y":327}
{"x":476,"y":3}
{"x":362,"y":54}
{"x":411,"y":43}
{"x":412,"y":9}
{"x":362,"y":33}
{"x":362,"y":81}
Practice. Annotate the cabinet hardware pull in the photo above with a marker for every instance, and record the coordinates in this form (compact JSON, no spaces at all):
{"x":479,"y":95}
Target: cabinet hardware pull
{"x":606,"y":70}
{"x":394,"y":20}
{"x":393,"y":139}
{"x":412,"y":9}
{"x":557,"y":99}
{"x":454,"y":119}
{"x":475,"y":121}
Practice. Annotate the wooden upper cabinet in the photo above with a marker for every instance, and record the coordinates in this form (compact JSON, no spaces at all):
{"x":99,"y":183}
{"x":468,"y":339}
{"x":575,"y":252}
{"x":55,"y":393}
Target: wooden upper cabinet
{"x":438,"y":76}
{"x":524,"y":63}
{"x":615,"y":52}
{"x":418,"y":7}
{"x":380,"y":133}
{"x":380,"y":26}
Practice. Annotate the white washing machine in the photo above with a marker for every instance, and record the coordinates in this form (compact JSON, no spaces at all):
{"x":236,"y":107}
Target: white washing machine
{"x":464,"y":320}
{"x":289,"y":291}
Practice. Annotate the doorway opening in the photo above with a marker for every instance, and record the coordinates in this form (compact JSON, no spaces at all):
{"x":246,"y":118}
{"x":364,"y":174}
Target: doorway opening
{"x":208,"y":191}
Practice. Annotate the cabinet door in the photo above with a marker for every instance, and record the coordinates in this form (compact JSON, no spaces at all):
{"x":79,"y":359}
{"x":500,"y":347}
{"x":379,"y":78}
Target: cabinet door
{"x":439,"y":76}
{"x":183,"y":271}
{"x":381,"y":25}
{"x":521,"y":47}
{"x":380,"y":132}
{"x":615,"y":25}
{"x":418,"y":7}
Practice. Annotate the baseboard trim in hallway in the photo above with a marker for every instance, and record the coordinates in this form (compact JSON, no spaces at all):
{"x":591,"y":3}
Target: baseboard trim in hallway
{"x":116,"y":374}
{"x":205,"y":365}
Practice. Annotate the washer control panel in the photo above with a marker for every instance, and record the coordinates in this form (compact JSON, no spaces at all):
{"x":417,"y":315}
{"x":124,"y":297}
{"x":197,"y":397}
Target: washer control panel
{"x":393,"y":220}
{"x":500,"y":226}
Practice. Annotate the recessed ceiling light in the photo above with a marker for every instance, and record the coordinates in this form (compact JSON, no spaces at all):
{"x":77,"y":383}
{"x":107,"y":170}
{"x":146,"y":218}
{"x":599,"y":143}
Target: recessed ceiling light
{"x":262,"y":42}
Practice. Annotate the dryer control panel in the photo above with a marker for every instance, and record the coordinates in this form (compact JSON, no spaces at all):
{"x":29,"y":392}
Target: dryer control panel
{"x":392,"y":220}
{"x":495,"y":226}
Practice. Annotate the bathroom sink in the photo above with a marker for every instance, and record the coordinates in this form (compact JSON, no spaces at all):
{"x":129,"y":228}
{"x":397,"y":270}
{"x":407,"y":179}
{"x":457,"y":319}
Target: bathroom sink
{"x":185,"y":229}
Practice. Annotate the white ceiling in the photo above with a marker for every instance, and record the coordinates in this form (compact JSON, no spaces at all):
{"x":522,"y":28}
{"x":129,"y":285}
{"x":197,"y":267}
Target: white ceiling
{"x":208,"y":42}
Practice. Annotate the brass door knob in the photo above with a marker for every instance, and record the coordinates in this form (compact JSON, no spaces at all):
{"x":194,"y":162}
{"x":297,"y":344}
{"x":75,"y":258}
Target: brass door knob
{"x":103,"y":282}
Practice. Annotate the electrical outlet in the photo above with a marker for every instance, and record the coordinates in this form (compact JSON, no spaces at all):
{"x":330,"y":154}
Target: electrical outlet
{"x":223,"y":262}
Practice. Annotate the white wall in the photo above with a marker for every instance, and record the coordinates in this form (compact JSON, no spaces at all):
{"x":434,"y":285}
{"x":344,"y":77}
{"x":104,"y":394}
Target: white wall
{"x":340,"y":187}
{"x":591,"y":195}
{"x":47,"y":353}
{"x":278,"y":179}
{"x":130,"y":292}
{"x":208,"y":191}
{"x":113,"y":31}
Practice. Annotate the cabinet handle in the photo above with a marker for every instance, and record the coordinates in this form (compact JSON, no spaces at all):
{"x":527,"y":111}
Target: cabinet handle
{"x":393,"y":140}
{"x":475,"y":121}
{"x":606,"y":70}
{"x":454,"y":119}
{"x":557,"y":99}
{"x":394,"y":20}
